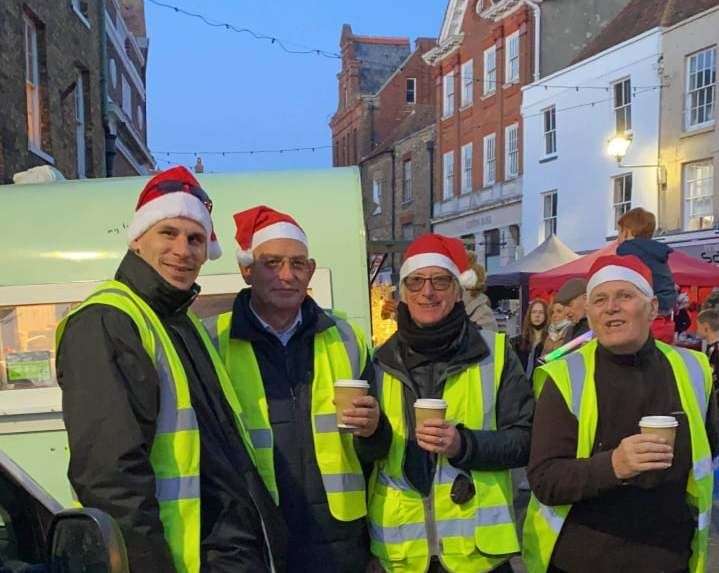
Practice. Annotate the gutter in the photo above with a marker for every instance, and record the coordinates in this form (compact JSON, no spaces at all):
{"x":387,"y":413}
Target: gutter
{"x":537,"y":34}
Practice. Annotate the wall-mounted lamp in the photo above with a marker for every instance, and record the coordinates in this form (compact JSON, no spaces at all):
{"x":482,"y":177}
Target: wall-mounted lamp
{"x":617,"y":148}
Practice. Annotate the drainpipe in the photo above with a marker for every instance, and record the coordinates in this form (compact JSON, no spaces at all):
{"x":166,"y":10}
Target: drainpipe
{"x":430,"y":151}
{"x":393,"y":208}
{"x":537,"y":33}
{"x":110,"y":151}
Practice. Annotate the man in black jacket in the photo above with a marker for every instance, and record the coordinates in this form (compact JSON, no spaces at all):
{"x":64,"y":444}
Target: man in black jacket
{"x":116,"y":396}
{"x":459,"y":467}
{"x":573,"y":296}
{"x":299,"y":351}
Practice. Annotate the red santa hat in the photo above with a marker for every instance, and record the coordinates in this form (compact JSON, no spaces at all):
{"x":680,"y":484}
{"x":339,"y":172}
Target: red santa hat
{"x":174,"y":193}
{"x":433,"y":250}
{"x":628,"y":268}
{"x":261,"y":224}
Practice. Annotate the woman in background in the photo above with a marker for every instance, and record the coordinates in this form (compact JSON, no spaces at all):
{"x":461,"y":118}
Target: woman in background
{"x":529,"y":346}
{"x":558,"y":327}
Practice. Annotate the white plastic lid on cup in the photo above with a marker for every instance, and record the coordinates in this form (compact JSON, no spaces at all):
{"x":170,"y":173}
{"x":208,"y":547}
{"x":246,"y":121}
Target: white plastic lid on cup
{"x":351,"y":384}
{"x":658,"y":422}
{"x":431,"y":404}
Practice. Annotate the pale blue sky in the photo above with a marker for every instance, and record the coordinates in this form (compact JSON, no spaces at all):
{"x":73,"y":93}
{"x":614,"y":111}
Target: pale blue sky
{"x":210,"y":89}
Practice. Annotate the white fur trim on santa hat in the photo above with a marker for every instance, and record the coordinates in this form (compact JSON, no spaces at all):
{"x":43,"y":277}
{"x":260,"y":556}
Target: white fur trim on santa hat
{"x":619,"y":273}
{"x":169,"y":206}
{"x":244,"y":257}
{"x":427,"y":260}
{"x":468,"y":279}
{"x":282,"y":230}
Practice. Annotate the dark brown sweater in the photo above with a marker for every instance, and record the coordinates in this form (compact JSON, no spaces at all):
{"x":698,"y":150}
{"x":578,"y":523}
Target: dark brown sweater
{"x":640,"y":525}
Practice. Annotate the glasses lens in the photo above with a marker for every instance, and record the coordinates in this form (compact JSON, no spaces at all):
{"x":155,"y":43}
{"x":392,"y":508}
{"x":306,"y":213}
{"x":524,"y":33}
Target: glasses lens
{"x":441,"y":282}
{"x":414,"y":284}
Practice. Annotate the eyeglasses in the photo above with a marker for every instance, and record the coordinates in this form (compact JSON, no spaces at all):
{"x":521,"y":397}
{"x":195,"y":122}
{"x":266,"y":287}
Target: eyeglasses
{"x":164,"y":187}
{"x":415,"y":283}
{"x":297,"y":264}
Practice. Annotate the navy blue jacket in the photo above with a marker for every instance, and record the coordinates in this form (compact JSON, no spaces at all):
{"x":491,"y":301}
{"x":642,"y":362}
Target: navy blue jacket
{"x":655,"y":255}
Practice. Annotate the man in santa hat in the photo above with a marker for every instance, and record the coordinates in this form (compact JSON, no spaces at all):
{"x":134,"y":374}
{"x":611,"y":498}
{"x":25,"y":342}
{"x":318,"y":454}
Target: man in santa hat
{"x":154,"y":425}
{"x":608,"y":497}
{"x":441,"y":499}
{"x":284,"y":354}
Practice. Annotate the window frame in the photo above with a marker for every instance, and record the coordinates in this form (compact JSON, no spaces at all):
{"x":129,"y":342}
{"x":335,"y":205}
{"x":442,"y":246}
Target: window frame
{"x":448,"y":94}
{"x":550,"y":130}
{"x":448,"y":175}
{"x":490,"y":83}
{"x":686,"y":200}
{"x":413,"y":91}
{"x":32,"y":83}
{"x":126,"y":96}
{"x":80,"y":127}
{"x":710,"y":88}
{"x":511,"y":72}
{"x":619,"y":208}
{"x":489,"y":161}
{"x":77,"y":8}
{"x":467,"y":93}
{"x":624,"y":109}
{"x":511,"y":155}
{"x":377,"y":196}
{"x":549,"y":221}
{"x":407,"y":181}
{"x":467,"y":155}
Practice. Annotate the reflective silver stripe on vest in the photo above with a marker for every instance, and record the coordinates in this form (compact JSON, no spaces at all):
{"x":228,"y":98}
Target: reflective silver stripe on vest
{"x":447,"y":473}
{"x":555,"y":521}
{"x":338,"y":483}
{"x":485,"y":516}
{"x":702,"y":468}
{"x":696,"y":376}
{"x":211,"y":326}
{"x":400,"y":534}
{"x":325,"y":423}
{"x":261,"y":438}
{"x":400,"y":484}
{"x":486,"y":368}
{"x":350,"y":341}
{"x":577,"y":374}
{"x":704,"y":519}
{"x":170,"y":489}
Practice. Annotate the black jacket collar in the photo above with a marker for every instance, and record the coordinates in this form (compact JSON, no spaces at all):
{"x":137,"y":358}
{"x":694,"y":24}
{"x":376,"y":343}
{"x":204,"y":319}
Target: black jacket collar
{"x":245,"y":325}
{"x":647,"y":353}
{"x":146,"y":282}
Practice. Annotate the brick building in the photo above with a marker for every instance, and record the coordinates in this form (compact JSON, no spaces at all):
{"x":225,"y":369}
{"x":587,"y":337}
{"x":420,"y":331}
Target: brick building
{"x":50,"y":88}
{"x":59,"y":84}
{"x":486,"y":53}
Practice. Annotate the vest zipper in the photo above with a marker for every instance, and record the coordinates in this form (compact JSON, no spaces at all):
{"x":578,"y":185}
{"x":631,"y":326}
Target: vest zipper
{"x":431,"y":525}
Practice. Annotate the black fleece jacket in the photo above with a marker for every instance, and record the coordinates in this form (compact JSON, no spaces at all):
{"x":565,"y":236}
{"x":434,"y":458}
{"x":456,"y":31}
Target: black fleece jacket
{"x":507,"y":447}
{"x":111,"y":401}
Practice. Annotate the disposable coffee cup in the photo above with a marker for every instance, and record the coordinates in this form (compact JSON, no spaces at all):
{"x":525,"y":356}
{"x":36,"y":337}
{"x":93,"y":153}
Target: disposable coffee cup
{"x":345,"y":392}
{"x":429,"y":409}
{"x":662,"y":426}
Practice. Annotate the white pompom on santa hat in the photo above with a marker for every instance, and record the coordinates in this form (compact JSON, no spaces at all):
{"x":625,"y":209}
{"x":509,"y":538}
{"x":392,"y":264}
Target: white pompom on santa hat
{"x":433,"y":250}
{"x":261,"y":224}
{"x":174,"y":193}
{"x":628,"y":268}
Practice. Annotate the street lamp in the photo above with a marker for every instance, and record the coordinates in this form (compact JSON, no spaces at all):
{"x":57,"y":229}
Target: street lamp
{"x":618,"y":145}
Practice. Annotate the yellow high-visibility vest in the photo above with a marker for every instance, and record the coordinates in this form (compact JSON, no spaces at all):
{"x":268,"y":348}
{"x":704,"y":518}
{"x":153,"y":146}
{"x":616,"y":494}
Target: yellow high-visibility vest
{"x":175,"y":453}
{"x":407,"y":529}
{"x":574,"y":377}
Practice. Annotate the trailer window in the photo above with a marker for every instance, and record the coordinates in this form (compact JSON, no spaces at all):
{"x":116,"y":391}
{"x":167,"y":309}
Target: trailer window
{"x":27,"y":345}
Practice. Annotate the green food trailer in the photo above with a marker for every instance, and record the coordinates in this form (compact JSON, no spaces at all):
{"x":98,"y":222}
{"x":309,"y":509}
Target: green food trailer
{"x":61,"y":239}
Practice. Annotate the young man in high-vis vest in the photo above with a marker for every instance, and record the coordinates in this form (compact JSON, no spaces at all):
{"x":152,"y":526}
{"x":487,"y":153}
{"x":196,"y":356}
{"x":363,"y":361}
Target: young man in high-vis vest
{"x":607,"y":497}
{"x":154,"y":425}
{"x":284,"y":354}
{"x":441,"y":499}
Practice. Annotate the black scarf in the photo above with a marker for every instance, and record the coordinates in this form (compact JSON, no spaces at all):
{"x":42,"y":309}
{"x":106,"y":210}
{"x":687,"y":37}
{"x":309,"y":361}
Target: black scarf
{"x":434,"y":341}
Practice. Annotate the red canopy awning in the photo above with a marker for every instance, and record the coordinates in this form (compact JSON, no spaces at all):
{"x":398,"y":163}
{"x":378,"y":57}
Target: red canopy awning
{"x":688,"y":271}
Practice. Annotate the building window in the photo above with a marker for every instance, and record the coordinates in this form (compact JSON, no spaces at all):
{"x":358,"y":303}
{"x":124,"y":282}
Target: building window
{"x":113,"y":72}
{"x":550,"y":131}
{"x":448,"y":107}
{"x":701,"y":86}
{"x":550,"y":213}
{"x":467,"y":168}
{"x":511,"y":140}
{"x":467,"y":83}
{"x":140,"y":118}
{"x":81,"y":9}
{"x":32,"y":84}
{"x":490,"y":160}
{"x":512,"y":59}
{"x":622,"y":196}
{"x":126,"y":97}
{"x":377,"y":197}
{"x":80,"y":127}
{"x":448,"y":171}
{"x":490,"y":70}
{"x":411,"y":91}
{"x":407,"y":231}
{"x":492,"y":250}
{"x":406,"y":181}
{"x":698,"y":195}
{"x":623,"y":105}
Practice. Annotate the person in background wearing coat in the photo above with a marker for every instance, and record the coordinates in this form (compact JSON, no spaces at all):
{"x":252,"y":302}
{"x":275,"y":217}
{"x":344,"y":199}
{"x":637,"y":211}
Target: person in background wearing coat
{"x":573,"y":296}
{"x":476,"y":303}
{"x":529,"y":345}
{"x":607,"y":497}
{"x":441,"y":497}
{"x":154,"y":426}
{"x":558,"y":327}
{"x":284,"y":355}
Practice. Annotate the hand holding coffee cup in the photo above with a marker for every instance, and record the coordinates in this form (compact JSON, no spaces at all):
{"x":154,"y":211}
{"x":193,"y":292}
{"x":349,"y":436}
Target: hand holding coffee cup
{"x":647,"y":451}
{"x":434,"y":434}
{"x":355,"y":409}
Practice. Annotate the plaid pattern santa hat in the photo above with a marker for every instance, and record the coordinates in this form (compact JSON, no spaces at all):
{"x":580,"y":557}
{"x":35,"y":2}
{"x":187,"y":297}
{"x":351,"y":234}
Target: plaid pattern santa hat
{"x":261,"y":224}
{"x":433,"y":250}
{"x":627,"y":268}
{"x":174,"y":193}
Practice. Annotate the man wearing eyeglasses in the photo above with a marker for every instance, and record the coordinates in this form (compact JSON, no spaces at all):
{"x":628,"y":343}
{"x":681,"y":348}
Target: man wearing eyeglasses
{"x":154,"y":427}
{"x":441,"y":500}
{"x":284,"y":354}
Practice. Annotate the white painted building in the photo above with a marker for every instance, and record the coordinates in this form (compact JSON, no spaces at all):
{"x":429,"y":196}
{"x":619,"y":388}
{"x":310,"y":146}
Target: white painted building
{"x":572,"y":186}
